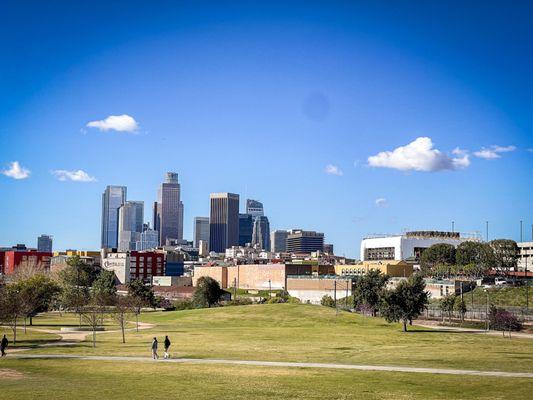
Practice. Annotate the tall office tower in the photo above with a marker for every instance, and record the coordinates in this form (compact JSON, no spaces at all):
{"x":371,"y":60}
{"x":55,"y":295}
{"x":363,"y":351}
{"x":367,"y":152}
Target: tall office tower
{"x":201,"y":230}
{"x":246,"y":227}
{"x":168,"y":212}
{"x":155,"y":218}
{"x":130,"y":224}
{"x":261,"y":233}
{"x":44,"y":243}
{"x":278,"y":241}
{"x":254,"y":208}
{"x":180,"y":221}
{"x":300,"y":241}
{"x":223,"y":221}
{"x":112,"y":198}
{"x":149,"y":239}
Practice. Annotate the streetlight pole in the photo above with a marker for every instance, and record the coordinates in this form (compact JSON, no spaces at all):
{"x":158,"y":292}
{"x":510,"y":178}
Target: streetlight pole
{"x":487,"y":310}
{"x":521,"y":232}
{"x":487,"y":231}
{"x":453,"y":226}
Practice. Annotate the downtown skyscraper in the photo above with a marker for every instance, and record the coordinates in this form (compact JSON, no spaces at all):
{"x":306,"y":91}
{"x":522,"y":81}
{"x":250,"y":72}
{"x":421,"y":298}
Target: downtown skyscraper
{"x":223,"y":221}
{"x":168,"y":210}
{"x":112,"y":199}
{"x":201,"y":230}
{"x":130,"y":224}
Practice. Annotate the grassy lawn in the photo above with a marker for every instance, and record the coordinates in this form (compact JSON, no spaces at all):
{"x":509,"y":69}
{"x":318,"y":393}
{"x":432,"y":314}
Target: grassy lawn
{"x":29,"y":339}
{"x":307,"y":333}
{"x":70,"y":379}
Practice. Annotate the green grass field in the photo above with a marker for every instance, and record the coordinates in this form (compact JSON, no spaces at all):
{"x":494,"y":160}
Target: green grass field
{"x":274,"y":332}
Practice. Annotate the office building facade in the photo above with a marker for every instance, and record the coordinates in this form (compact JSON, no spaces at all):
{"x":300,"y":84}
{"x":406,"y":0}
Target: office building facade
{"x":246,"y":227}
{"x":223,"y":221}
{"x":44,"y":243}
{"x":261,"y":233}
{"x":201,"y":230}
{"x":278,"y":241}
{"x":130,"y":224}
{"x":168,"y":212}
{"x":254,"y":208}
{"x":112,"y":199}
{"x":299,"y":241}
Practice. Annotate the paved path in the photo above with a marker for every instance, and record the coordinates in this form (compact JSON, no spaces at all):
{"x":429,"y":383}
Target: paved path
{"x":431,"y":324}
{"x":359,"y":367}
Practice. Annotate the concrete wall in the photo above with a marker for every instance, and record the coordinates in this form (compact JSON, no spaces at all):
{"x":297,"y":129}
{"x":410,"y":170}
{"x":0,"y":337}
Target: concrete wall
{"x":219,"y":274}
{"x":313,"y":289}
{"x":257,"y":276}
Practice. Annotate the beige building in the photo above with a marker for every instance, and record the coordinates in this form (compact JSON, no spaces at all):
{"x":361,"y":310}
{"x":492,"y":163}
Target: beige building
{"x":392,"y":268}
{"x":312,"y":289}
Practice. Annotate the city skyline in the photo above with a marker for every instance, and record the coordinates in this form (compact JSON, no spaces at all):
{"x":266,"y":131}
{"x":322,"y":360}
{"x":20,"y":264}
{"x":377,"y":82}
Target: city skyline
{"x":346,"y":120}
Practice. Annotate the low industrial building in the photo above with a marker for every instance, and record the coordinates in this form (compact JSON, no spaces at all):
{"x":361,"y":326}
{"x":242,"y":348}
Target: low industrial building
{"x":392,"y":268}
{"x":20,"y":256}
{"x":409,"y":245}
{"x":311,"y":289}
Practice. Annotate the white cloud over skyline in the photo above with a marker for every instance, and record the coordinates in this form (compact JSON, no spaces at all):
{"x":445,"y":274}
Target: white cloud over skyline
{"x":74,"y":176}
{"x":333,"y":170}
{"x":16,"y":171}
{"x":381,"y":202}
{"x":119,"y":123}
{"x":419,"y":155}
{"x":493,"y":152}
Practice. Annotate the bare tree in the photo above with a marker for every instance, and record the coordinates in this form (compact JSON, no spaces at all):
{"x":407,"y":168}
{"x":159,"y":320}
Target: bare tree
{"x":124,"y":305}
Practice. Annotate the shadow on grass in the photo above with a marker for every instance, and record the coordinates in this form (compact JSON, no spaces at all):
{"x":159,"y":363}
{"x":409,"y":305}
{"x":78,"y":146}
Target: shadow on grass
{"x":442,"y":331}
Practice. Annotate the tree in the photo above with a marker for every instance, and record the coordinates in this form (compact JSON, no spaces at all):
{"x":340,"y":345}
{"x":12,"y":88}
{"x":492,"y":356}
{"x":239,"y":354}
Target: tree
{"x":437,"y":254}
{"x":104,"y":287}
{"x":207,"y":293}
{"x":123,"y":306}
{"x":36,"y":293}
{"x":475,"y":253}
{"x":503,"y":320}
{"x":506,"y":254}
{"x":327,"y":301}
{"x":460,"y":305}
{"x":405,"y":302}
{"x":447,"y":305}
{"x":369,"y":288}
{"x":93,"y":315}
{"x":141,"y":296}
{"x":10,"y":308}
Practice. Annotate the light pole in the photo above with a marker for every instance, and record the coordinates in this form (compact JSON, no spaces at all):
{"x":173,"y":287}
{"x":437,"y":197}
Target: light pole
{"x":453,"y":226}
{"x":521,"y":231}
{"x":487,"y":310}
{"x":487,"y":231}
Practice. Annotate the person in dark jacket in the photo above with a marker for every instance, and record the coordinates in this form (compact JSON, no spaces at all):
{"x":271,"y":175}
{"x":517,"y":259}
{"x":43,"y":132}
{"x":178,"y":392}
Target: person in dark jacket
{"x":155,"y":356}
{"x":167,"y":345}
{"x":3,"y":345}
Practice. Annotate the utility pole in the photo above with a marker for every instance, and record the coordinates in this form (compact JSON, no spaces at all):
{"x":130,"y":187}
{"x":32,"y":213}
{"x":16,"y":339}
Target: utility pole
{"x":453,"y":226}
{"x":487,"y":230}
{"x":269,"y":289}
{"x":521,"y":232}
{"x":234,"y":289}
{"x":335,"y":292}
{"x":346,"y":298}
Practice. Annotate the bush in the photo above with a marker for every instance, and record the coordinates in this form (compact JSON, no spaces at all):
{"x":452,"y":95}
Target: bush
{"x":327,"y":301}
{"x":166,"y":304}
{"x":184,"y":304}
{"x":503,"y":320}
{"x":240,"y":301}
{"x":275,"y":300}
{"x":294,"y":300}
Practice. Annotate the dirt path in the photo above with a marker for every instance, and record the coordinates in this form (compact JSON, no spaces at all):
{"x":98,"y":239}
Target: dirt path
{"x":435,"y":325}
{"x":273,"y":364}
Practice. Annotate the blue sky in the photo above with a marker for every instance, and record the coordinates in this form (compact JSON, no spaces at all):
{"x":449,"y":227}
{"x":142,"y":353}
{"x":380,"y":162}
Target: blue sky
{"x":344,"y":117}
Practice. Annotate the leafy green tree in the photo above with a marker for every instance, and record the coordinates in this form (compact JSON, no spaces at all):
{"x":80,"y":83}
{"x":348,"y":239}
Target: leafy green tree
{"x":447,"y":305}
{"x":506,"y":254}
{"x":437,"y":254}
{"x":369,"y":288}
{"x":104,"y":288}
{"x":141,"y":296}
{"x":460,"y":306}
{"x":475,"y":253}
{"x":327,"y":301}
{"x":11,"y":310}
{"x":207,"y":293}
{"x":405,"y":302}
{"x":36,"y":293}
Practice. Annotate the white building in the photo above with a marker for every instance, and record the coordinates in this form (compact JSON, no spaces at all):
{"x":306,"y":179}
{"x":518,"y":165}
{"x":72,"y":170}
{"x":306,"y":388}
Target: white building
{"x":119,"y":263}
{"x":149,"y":239}
{"x":409,"y":245}
{"x":525,"y":259}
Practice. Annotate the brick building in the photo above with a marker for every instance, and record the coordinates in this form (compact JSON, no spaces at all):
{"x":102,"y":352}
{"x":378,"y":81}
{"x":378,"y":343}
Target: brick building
{"x":15,"y":258}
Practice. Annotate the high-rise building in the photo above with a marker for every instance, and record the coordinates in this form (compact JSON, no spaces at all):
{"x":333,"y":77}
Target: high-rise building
{"x":44,"y":243}
{"x":328,"y":248}
{"x":278,"y":241}
{"x":130,"y":224}
{"x":246,"y":226}
{"x":299,"y":241}
{"x":148,"y":239}
{"x":223,"y":221}
{"x":261,"y":233}
{"x":112,"y":198}
{"x":254,"y":208}
{"x":168,"y":212}
{"x":201,"y":230}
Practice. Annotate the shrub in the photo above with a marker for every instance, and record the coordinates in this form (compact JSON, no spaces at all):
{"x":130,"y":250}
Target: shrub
{"x":503,"y":320}
{"x":240,"y":301}
{"x":327,"y":301}
{"x":184,"y":304}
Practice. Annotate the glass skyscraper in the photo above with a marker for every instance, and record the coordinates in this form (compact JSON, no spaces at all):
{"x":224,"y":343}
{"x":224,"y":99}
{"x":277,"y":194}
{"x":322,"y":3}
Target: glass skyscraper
{"x":201,"y":230}
{"x":112,"y":198}
{"x":261,"y":233}
{"x":130,"y":224}
{"x":168,"y":213}
{"x":223,"y":221}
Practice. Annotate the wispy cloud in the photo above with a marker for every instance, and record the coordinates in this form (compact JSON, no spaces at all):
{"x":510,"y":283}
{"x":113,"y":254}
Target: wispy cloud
{"x":333,"y":170}
{"x":493,"y":152}
{"x":381,"y":202}
{"x":119,"y":123}
{"x":75,"y":176}
{"x":16,"y":171}
{"x":419,"y":155}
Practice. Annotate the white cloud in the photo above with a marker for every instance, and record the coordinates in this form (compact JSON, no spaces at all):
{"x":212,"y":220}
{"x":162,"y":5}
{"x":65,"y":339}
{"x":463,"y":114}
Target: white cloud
{"x":119,"y":123}
{"x":530,"y":150}
{"x":76,"y":176}
{"x":333,"y":170}
{"x":381,"y":202}
{"x":419,"y":155}
{"x":493,"y":152}
{"x":16,"y":171}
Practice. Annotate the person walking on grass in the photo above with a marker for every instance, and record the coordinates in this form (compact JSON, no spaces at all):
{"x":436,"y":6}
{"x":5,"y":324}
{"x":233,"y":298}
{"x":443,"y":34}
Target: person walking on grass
{"x":154,"y":349}
{"x":167,"y":345}
{"x":3,"y":345}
